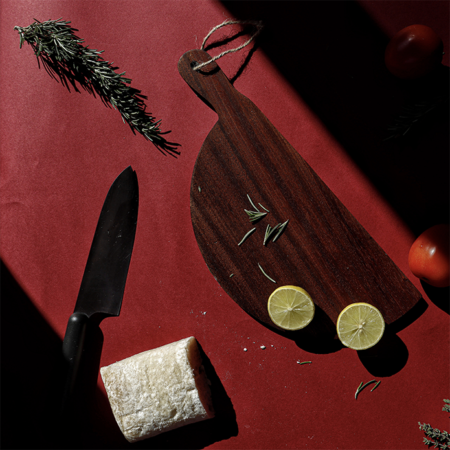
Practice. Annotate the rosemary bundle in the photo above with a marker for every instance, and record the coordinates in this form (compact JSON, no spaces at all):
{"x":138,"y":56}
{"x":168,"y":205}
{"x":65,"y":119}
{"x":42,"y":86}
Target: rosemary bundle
{"x":429,"y":97}
{"x":433,"y":436}
{"x":446,"y":406}
{"x":411,"y":114}
{"x":61,"y":52}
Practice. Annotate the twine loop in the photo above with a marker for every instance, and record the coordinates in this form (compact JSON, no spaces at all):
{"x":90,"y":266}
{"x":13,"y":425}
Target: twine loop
{"x":258,"y":25}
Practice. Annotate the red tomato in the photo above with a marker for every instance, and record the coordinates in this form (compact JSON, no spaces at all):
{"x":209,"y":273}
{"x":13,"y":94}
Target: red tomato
{"x":414,"y":52}
{"x":429,"y":257}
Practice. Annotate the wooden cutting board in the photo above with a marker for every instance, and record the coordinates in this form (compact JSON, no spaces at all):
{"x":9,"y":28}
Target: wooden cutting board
{"x":323,"y":248}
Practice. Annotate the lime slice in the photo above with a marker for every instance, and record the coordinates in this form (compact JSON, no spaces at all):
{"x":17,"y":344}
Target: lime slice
{"x":290,"y":307}
{"x":360,"y":326}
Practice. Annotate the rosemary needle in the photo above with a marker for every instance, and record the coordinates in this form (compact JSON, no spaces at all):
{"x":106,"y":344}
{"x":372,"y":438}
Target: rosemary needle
{"x":361,"y":387}
{"x":357,"y":390}
{"x":265,"y":209}
{"x":265,"y":274}
{"x":251,"y":203}
{"x":247,"y":235}
{"x":378,"y":382}
{"x":280,"y":230}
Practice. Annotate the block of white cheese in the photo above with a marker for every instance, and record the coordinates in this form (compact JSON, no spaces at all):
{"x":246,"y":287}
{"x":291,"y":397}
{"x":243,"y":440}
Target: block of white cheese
{"x":158,"y":390}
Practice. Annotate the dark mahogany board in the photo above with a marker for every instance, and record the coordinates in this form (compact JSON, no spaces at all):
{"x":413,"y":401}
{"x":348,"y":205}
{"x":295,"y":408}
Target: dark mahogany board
{"x":323,"y":249}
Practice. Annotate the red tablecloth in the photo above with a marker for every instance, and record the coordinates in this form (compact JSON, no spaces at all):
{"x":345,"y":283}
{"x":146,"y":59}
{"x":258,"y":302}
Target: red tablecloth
{"x":318,"y":74}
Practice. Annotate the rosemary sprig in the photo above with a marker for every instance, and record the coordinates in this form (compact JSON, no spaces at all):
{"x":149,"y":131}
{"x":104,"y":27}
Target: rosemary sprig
{"x":251,"y":203}
{"x":446,"y":407}
{"x":441,"y":438}
{"x":265,"y":274}
{"x":269,"y":232}
{"x":254,"y":216}
{"x":55,"y":44}
{"x":413,"y":113}
{"x":247,"y":235}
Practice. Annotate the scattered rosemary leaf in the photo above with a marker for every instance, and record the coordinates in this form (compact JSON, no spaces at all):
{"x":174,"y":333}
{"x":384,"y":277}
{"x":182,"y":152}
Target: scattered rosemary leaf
{"x":280,"y":230}
{"x":251,"y":203}
{"x":304,"y":362}
{"x":254,"y":216}
{"x":357,"y":390}
{"x":247,"y":235}
{"x":231,"y":275}
{"x":199,"y":189}
{"x":265,"y":274}
{"x":269,"y":232}
{"x":361,"y":387}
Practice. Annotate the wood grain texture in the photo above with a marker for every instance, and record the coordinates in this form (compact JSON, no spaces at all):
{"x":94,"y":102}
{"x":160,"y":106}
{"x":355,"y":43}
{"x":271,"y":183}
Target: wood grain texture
{"x":323,"y":249}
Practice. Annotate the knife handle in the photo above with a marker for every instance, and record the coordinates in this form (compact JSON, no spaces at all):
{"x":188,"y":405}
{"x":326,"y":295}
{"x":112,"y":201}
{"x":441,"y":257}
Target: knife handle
{"x":72,"y":352}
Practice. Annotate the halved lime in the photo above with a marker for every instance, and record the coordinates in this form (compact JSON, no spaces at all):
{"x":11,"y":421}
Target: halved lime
{"x":360,"y":326}
{"x":290,"y":307}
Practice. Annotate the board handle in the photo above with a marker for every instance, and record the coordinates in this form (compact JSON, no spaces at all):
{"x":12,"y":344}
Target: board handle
{"x":209,"y":82}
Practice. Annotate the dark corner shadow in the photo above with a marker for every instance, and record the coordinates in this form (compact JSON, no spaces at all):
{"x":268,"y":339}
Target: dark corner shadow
{"x":332,"y":54}
{"x":439,"y":296}
{"x":29,"y":364}
{"x":201,"y":434}
{"x":33,"y":378}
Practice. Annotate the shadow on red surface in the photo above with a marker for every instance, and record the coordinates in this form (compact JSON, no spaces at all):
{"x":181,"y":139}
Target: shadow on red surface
{"x":332,"y":54}
{"x":439,"y":296}
{"x":33,"y":374}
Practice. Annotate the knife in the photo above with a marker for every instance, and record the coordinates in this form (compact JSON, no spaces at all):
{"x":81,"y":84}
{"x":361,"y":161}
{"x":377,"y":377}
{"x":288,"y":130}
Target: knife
{"x":104,"y":278}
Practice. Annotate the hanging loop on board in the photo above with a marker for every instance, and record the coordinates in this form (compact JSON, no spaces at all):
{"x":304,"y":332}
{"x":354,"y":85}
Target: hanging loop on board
{"x":256,"y":24}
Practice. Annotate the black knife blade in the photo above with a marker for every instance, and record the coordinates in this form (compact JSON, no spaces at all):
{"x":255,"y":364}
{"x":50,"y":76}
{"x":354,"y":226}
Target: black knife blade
{"x":103,"y":283}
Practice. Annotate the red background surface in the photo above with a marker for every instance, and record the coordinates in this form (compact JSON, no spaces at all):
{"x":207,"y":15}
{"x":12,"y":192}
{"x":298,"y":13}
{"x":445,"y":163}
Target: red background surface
{"x":318,"y":75}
